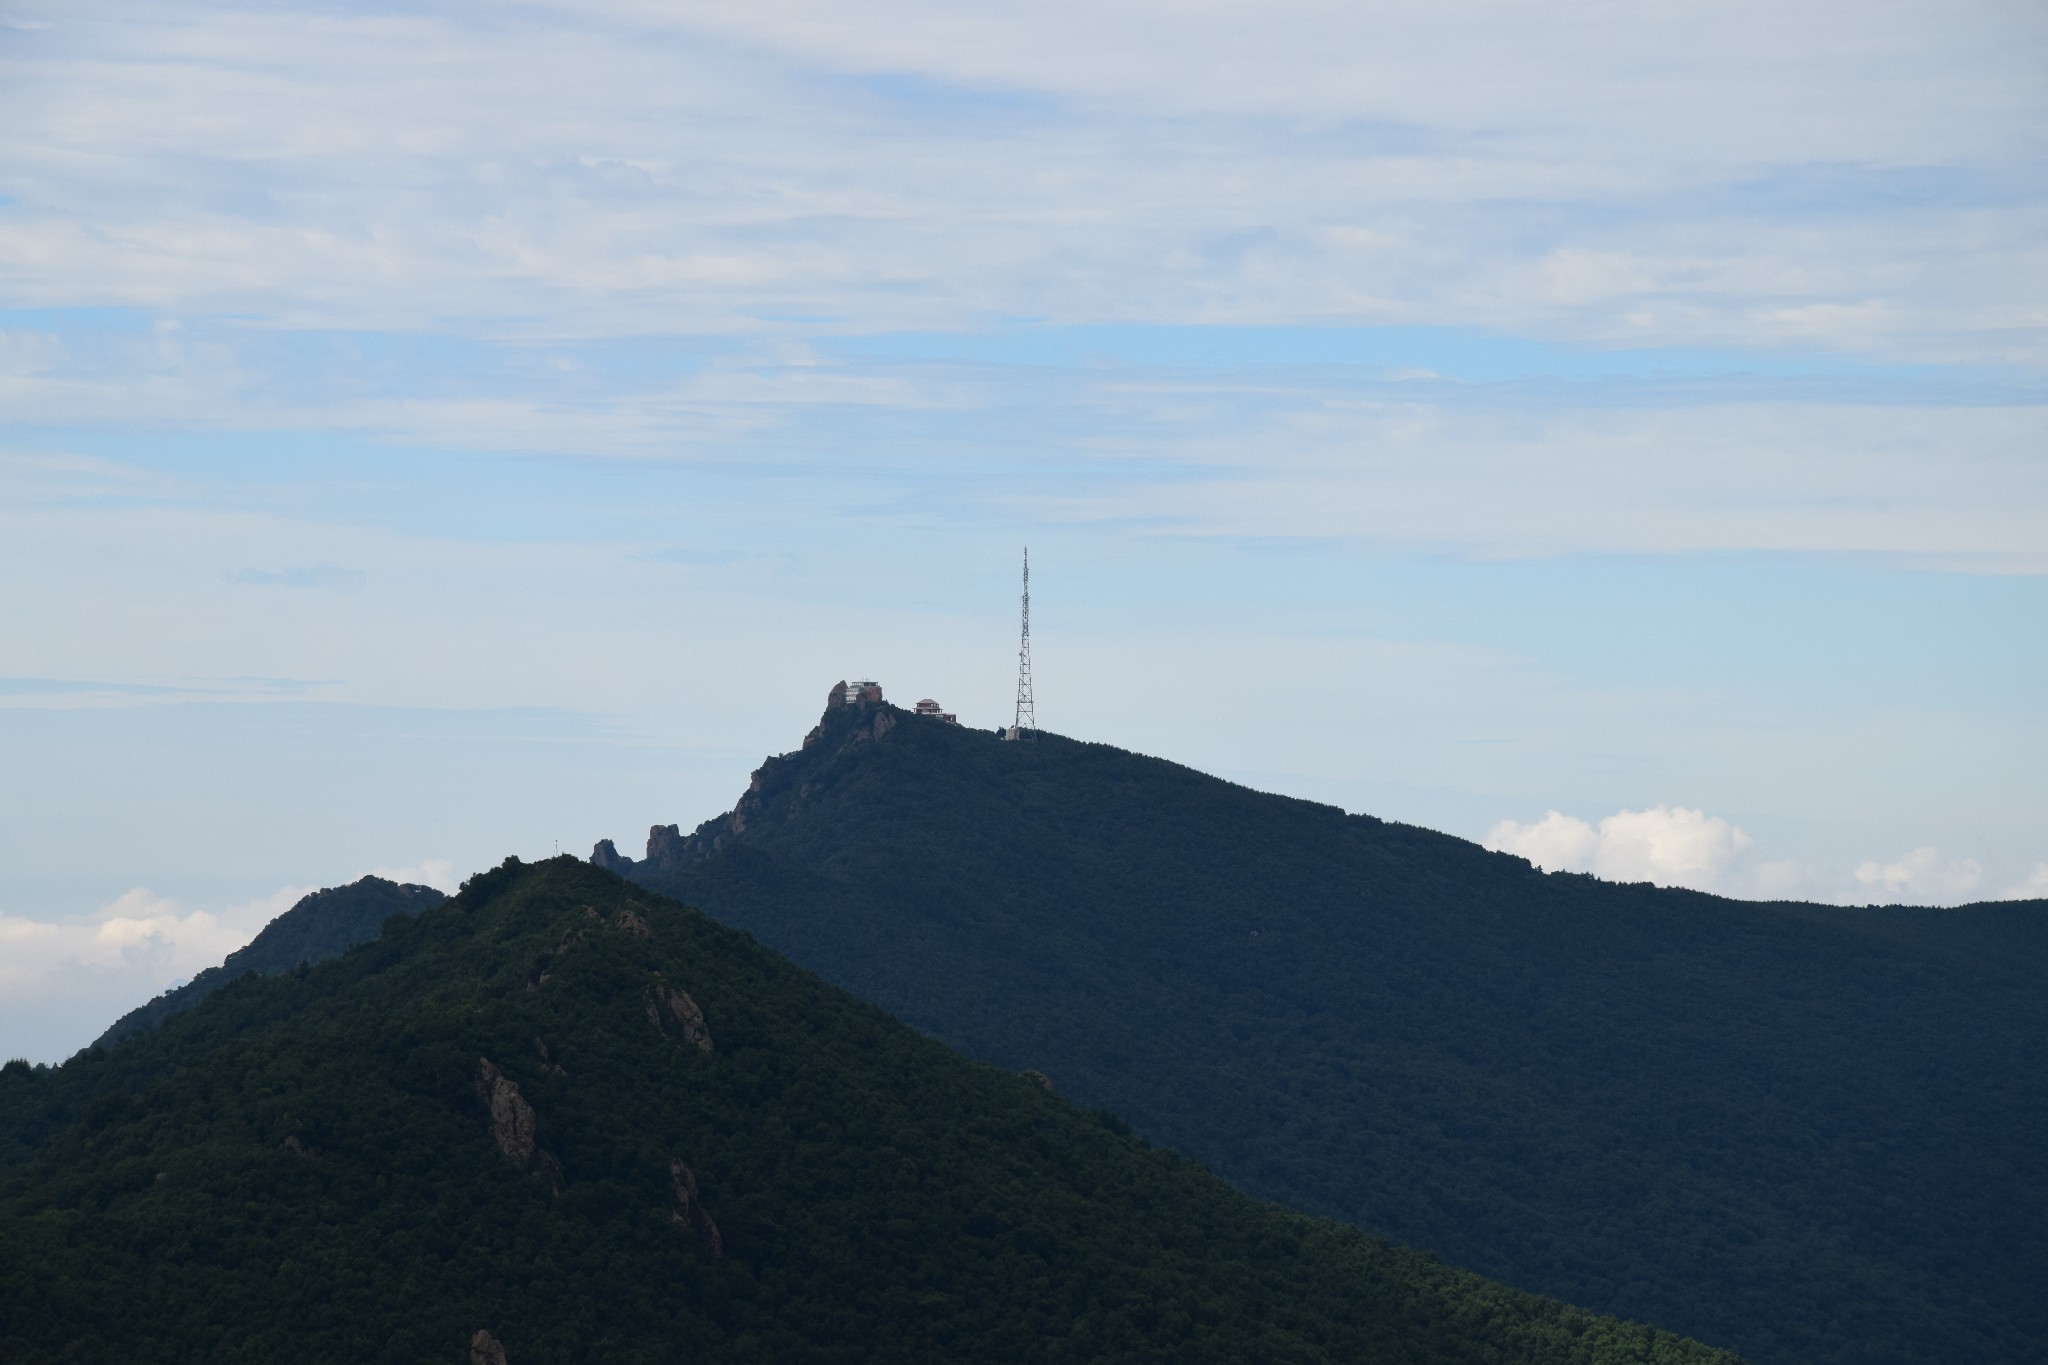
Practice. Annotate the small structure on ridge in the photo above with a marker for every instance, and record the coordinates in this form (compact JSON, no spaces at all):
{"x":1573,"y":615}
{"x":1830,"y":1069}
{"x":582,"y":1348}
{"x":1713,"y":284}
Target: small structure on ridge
{"x":1027,"y":714}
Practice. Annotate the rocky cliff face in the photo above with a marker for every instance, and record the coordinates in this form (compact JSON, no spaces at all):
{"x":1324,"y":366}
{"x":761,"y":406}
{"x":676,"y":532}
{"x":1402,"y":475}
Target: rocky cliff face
{"x":861,"y":719}
{"x":511,"y":1115}
{"x":674,"y":1012}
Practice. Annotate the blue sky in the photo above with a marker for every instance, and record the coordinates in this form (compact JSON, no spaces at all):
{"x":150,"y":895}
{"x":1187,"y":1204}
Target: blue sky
{"x":1614,"y":433}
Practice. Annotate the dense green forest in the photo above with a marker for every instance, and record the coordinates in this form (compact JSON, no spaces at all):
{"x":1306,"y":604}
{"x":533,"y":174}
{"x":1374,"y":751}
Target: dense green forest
{"x":317,"y":928}
{"x":561,"y":1114}
{"x":1809,"y":1133}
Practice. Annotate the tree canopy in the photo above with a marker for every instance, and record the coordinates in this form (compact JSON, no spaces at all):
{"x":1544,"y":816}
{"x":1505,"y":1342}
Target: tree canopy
{"x":597,"y":1126}
{"x":1807,"y":1132}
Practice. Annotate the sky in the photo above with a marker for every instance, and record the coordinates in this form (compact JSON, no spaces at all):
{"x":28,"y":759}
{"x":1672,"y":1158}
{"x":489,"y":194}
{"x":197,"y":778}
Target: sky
{"x":1612,"y":432}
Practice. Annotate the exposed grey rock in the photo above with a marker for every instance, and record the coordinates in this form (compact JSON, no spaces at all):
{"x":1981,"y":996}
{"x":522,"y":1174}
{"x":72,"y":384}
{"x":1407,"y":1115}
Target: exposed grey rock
{"x":485,"y":1350}
{"x":511,"y":1115}
{"x":862,"y":718}
{"x":690,"y":1212}
{"x":666,"y":846}
{"x":675,"y":1012}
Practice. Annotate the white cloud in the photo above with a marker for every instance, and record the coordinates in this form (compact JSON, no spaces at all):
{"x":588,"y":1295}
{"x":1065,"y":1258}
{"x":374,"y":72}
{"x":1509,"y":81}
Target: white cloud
{"x":1556,"y":843}
{"x":1668,"y":845}
{"x":140,"y":918}
{"x":141,"y":931}
{"x":1674,"y":846}
{"x":139,"y":934}
{"x":63,"y":980}
{"x":182,"y":941}
{"x":2035,"y":887}
{"x":1921,"y":875}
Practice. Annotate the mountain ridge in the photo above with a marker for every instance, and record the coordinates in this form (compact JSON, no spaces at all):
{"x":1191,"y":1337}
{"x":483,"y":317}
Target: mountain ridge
{"x":318,"y":926}
{"x":1793,"y":1128}
{"x":560,"y":1117}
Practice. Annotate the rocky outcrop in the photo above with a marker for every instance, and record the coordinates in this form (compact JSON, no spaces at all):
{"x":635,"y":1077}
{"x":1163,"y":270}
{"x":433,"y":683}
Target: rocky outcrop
{"x":690,"y":1212}
{"x":841,"y":695}
{"x":511,"y":1115}
{"x":667,"y":848}
{"x":544,"y":966}
{"x":862,"y":718}
{"x":484,"y":1349}
{"x":547,"y":1060}
{"x":674,"y":1012}
{"x":632,"y":924}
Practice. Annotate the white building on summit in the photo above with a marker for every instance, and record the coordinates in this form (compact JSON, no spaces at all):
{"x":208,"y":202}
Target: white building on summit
{"x":868,"y":692}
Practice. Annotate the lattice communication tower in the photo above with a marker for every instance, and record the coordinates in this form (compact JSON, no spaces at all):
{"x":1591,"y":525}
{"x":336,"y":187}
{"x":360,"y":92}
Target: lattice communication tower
{"x":1027,"y":718}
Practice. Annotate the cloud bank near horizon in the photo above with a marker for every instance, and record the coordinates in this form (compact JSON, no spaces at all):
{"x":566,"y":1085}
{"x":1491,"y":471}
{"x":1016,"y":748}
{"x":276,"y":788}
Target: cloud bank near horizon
{"x":1676,"y":846}
{"x":65,"y":979}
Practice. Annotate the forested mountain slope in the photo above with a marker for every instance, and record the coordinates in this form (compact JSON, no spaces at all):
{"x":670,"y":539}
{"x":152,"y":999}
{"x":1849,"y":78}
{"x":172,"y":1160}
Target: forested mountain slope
{"x":1810,"y":1133}
{"x":320,"y":926}
{"x":566,"y":1119}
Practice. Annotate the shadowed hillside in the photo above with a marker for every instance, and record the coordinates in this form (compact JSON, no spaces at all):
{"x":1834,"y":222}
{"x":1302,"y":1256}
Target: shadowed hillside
{"x":1806,"y":1132}
{"x":318,"y":927}
{"x":564,"y":1118}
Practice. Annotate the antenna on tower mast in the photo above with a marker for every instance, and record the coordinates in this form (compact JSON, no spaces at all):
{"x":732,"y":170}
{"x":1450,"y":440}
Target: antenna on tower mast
{"x":1027,"y":719}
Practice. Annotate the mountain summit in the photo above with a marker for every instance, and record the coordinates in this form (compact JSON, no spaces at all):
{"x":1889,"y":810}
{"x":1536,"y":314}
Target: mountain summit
{"x":1807,"y":1132}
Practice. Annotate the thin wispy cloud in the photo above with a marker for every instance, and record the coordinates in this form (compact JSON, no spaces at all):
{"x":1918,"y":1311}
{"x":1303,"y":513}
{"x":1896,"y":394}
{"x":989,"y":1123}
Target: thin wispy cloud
{"x":426,"y":226}
{"x":1454,"y":412}
{"x":1761,"y":174}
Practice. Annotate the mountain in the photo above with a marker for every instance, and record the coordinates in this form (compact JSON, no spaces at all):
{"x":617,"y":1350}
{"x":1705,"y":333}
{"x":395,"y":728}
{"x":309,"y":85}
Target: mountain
{"x":318,"y":927}
{"x":1810,"y":1133}
{"x":561,"y":1119}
